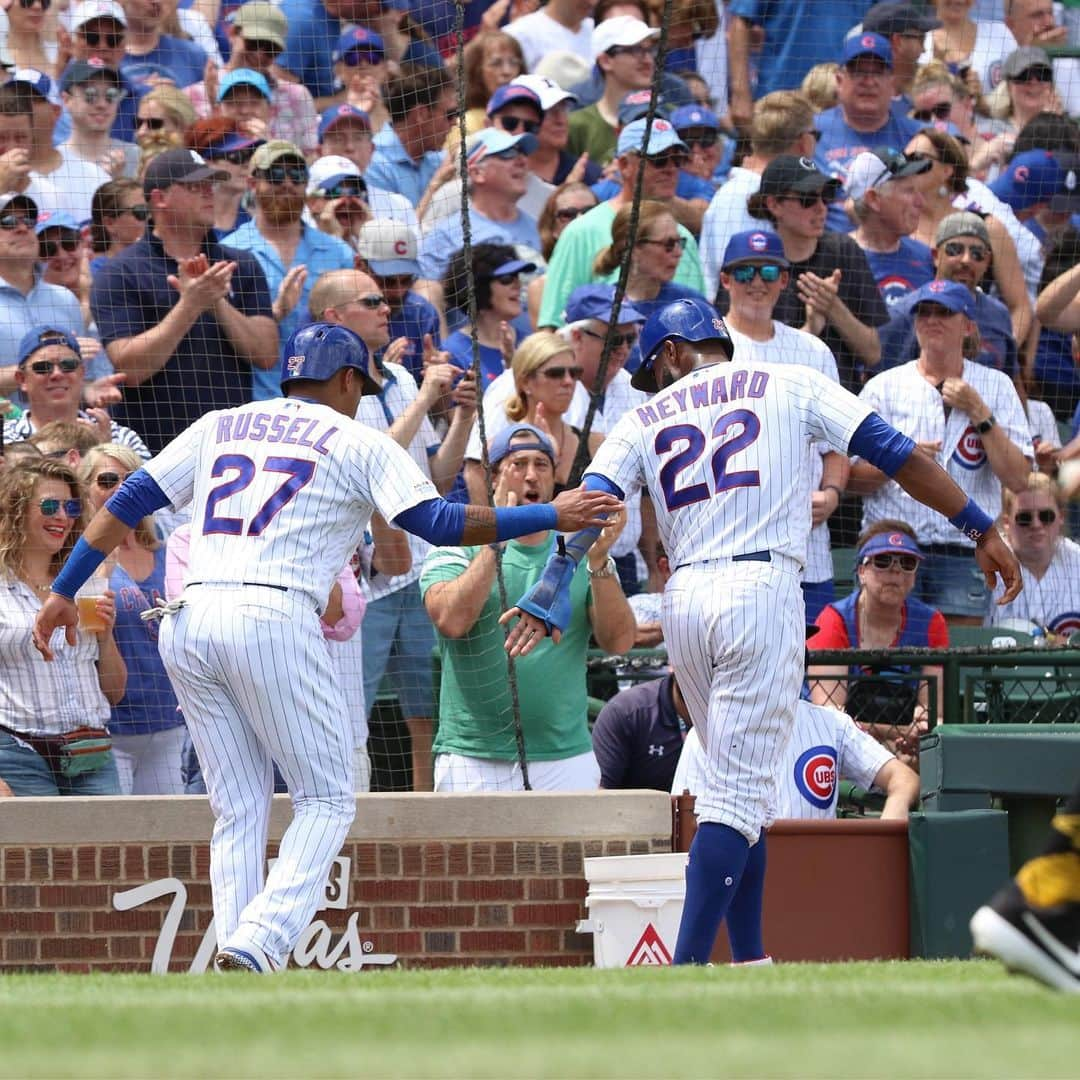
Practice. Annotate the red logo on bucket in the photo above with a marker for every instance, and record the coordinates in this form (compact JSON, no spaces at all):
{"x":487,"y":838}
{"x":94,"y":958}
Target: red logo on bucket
{"x":650,"y":950}
{"x":969,"y":452}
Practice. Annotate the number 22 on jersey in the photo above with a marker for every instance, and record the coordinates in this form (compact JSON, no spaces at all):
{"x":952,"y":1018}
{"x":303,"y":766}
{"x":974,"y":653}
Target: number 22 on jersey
{"x":297,"y":472}
{"x":725,"y":473}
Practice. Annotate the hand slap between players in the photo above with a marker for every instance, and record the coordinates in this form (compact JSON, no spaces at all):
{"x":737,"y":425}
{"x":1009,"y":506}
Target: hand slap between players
{"x":582,"y":509}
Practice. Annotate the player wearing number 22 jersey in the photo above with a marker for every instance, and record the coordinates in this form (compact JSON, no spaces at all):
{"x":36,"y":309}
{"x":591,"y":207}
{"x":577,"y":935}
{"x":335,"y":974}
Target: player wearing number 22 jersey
{"x":281,"y":492}
{"x":724,"y":449}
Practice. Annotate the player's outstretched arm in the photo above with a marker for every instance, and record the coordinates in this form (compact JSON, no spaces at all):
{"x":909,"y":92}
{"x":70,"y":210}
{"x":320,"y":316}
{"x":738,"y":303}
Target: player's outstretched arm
{"x":924,"y":479}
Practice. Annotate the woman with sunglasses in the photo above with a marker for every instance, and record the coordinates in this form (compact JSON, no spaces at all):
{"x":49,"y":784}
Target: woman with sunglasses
{"x":31,"y":35}
{"x":939,"y":98}
{"x":118,"y":217}
{"x":40,"y":704}
{"x":893,"y":704}
{"x":654,"y":258}
{"x":1026,"y":89}
{"x":164,"y":114}
{"x":146,"y":729}
{"x":566,"y":202}
{"x":1034,"y":522}
{"x":945,"y":187}
{"x":496,"y":285}
{"x":63,"y":255}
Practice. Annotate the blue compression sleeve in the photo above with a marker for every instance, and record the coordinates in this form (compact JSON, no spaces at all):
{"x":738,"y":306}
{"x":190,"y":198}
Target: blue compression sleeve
{"x":137,"y":496}
{"x":881,"y":444}
{"x":442,"y":522}
{"x":578,"y":544}
{"x":81,"y":563}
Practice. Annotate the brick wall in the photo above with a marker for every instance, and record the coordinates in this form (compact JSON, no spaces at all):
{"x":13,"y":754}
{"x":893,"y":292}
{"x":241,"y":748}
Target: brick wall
{"x":429,"y":899}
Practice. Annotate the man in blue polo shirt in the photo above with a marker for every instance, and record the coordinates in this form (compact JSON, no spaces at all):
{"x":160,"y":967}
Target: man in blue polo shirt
{"x":292,"y":253}
{"x":183,"y":317}
{"x":422,"y":103}
{"x":862,"y":119}
{"x":498,"y":176}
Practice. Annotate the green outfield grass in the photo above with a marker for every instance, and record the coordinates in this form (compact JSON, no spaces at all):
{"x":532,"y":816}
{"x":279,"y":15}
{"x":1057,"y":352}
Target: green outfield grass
{"x":956,"y":1019}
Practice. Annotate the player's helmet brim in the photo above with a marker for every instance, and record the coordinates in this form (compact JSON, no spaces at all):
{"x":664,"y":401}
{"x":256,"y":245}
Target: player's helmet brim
{"x":645,"y":377}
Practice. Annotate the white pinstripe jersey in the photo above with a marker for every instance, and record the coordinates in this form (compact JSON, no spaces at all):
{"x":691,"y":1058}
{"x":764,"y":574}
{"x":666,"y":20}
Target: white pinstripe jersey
{"x":399,"y":392}
{"x":1053,"y":600}
{"x":909,"y":402}
{"x":282,"y":491}
{"x":724,"y":453}
{"x":825,"y":747}
{"x":791,"y":346}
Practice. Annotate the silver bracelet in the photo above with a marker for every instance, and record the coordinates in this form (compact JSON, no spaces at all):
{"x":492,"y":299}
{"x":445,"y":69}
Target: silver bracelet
{"x":607,"y":570}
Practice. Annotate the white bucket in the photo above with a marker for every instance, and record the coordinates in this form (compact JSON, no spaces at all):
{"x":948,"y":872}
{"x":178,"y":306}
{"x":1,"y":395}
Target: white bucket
{"x":635,"y":904}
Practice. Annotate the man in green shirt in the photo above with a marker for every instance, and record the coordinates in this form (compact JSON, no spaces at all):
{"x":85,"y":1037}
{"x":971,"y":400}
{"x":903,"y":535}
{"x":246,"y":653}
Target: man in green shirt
{"x":571,"y":263}
{"x":476,"y":748}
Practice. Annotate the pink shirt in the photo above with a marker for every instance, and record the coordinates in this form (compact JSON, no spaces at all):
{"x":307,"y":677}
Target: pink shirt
{"x":352,"y":599}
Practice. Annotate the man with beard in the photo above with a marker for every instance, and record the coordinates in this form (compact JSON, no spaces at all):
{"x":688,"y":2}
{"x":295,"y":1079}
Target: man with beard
{"x":291,"y":252}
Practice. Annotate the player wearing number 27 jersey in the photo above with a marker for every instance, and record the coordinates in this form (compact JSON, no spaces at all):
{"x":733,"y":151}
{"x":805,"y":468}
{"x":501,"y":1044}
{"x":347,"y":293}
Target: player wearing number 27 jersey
{"x":281,"y":492}
{"x":723,"y":448}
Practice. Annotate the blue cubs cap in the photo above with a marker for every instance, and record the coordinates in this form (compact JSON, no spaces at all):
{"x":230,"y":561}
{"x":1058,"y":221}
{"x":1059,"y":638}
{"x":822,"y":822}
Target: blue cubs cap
{"x":662,"y":137}
{"x":495,"y":141}
{"x":949,"y":294}
{"x":867,"y":44}
{"x":320,"y":350}
{"x":82,"y":71}
{"x":500,"y":446}
{"x":336,"y":113}
{"x":38,"y":81}
{"x":234,"y":140}
{"x":890,"y":543}
{"x":244,"y":77}
{"x":511,"y":92}
{"x":56,"y":220}
{"x":636,"y":104}
{"x":1037,"y":176}
{"x":694,"y":116}
{"x":38,"y":337}
{"x":595,"y":302}
{"x":359,"y":40}
{"x":755,"y":246}
{"x":693,"y":320}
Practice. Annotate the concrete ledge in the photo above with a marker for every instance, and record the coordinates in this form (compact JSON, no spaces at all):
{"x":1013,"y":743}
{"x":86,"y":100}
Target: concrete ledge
{"x":187,"y":818}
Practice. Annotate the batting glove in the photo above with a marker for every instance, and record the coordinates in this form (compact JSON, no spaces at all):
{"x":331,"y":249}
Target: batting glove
{"x":549,"y":598}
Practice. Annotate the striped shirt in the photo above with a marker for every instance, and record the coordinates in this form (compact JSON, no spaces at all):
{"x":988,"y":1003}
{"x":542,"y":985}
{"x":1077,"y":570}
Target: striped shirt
{"x":20,"y":430}
{"x":40,"y":698}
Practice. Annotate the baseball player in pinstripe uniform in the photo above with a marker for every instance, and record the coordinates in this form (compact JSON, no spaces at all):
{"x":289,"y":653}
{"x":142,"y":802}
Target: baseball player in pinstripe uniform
{"x":722,"y":448}
{"x":281,"y":491}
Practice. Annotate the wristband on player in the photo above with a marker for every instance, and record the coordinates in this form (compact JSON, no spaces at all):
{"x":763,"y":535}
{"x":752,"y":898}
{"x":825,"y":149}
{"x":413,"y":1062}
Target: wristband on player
{"x":512,"y":521}
{"x":973,"y":521}
{"x":80,"y":565}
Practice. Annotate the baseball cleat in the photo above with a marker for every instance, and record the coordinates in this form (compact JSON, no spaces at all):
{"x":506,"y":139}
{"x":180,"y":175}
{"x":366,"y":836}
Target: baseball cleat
{"x":238,"y":960}
{"x":1041,"y":942}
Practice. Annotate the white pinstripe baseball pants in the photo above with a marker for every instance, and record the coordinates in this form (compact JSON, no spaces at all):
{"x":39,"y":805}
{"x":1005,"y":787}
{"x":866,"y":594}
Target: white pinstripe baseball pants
{"x":735,"y":633}
{"x":253,"y":675}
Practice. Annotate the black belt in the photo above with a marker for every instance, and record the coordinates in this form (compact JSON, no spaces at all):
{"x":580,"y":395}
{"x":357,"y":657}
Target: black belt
{"x":749,"y":556}
{"x":256,"y":584}
{"x":960,"y":550}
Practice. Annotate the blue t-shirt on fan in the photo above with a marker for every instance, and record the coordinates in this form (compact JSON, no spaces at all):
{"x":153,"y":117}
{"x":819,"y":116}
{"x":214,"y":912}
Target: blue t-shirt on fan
{"x":840,"y":143}
{"x":176,"y":58}
{"x":900,"y":272}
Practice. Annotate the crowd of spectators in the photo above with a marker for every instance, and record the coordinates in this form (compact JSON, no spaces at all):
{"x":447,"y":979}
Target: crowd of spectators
{"x":887,"y":193}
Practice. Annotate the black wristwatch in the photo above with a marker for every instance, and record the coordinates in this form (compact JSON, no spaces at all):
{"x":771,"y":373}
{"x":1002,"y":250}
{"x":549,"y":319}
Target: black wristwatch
{"x":986,"y":425}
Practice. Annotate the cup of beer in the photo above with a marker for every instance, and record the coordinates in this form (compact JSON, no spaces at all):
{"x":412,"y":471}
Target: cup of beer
{"x":90,"y":619}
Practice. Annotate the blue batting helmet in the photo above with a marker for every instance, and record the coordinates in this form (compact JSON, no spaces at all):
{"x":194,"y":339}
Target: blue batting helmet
{"x":320,"y":350}
{"x":693,"y":320}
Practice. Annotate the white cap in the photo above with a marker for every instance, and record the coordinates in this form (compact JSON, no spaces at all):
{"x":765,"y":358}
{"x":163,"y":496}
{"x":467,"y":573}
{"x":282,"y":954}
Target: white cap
{"x":89,"y":10}
{"x":866,"y":172}
{"x":547,"y":90}
{"x":389,"y":247}
{"x":621,"y":30}
{"x":332,"y":165}
{"x":564,"y":68}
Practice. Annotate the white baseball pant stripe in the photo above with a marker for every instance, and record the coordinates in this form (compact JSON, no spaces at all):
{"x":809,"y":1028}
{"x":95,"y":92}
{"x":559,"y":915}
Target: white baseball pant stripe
{"x":253,"y":675}
{"x":735,"y":633}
